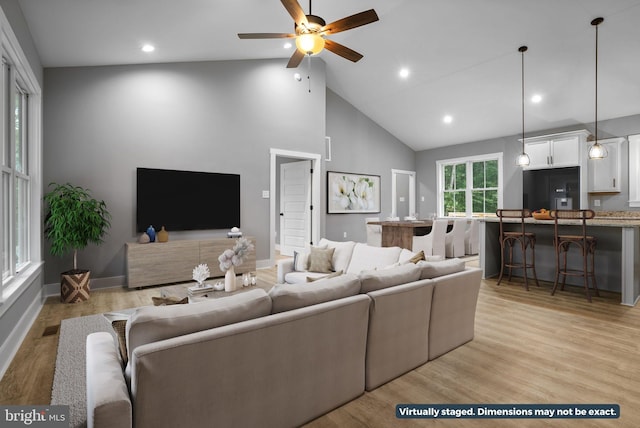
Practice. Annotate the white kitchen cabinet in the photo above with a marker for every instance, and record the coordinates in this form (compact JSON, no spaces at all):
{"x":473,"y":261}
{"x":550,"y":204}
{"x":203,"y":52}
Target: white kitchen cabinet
{"x":556,"y":150}
{"x":634,"y":170}
{"x":604,"y":174}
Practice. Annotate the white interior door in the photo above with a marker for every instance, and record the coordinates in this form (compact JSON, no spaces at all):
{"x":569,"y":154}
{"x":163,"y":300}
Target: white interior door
{"x":295,"y":206}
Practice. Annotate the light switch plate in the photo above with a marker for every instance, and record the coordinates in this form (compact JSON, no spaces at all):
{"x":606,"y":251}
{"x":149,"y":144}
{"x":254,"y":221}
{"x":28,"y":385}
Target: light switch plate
{"x":265,"y":194}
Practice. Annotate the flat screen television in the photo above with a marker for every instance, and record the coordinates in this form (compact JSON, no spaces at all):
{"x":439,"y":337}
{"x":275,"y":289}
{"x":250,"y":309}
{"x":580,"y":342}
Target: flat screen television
{"x":186,"y":200}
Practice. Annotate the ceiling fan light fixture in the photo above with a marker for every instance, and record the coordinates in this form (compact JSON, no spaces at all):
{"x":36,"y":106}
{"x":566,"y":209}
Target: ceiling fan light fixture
{"x":310,"y":43}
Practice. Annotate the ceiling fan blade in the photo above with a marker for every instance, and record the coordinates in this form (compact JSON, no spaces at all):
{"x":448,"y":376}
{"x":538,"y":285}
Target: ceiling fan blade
{"x":295,"y":10}
{"x":353,"y":21}
{"x":265,"y":35}
{"x":342,"y":50}
{"x":295,"y":59}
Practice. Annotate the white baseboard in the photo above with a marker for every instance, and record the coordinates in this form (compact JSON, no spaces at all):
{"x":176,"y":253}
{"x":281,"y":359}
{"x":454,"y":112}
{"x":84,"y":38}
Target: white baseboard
{"x":19,"y":331}
{"x":263,"y":264}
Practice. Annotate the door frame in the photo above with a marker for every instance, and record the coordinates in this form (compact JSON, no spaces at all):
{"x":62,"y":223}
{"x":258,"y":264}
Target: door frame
{"x":306,"y":165}
{"x":315,"y":194}
{"x":412,"y":191}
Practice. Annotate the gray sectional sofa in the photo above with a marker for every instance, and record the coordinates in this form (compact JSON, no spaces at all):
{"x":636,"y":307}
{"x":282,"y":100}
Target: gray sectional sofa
{"x":281,"y":358}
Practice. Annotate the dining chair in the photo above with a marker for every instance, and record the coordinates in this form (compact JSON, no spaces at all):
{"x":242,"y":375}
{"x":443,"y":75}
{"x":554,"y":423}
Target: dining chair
{"x":454,"y":239}
{"x":432,"y":243}
{"x":374,"y":232}
{"x":471,"y":238}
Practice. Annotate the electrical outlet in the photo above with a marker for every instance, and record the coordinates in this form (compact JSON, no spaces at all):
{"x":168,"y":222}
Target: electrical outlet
{"x":344,"y":235}
{"x":596,"y":202}
{"x":421,"y":198}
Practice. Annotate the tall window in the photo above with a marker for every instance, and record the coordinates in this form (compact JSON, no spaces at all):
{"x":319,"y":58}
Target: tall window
{"x":470,"y":187}
{"x":20,"y":168}
{"x":15,"y":176}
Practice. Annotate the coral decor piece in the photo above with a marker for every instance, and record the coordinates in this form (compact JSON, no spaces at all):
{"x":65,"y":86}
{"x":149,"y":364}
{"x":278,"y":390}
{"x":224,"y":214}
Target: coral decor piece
{"x":201,"y":273}
{"x":235,"y":256}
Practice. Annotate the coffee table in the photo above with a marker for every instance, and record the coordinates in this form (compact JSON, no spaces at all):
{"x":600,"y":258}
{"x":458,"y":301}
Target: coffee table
{"x":181,"y":290}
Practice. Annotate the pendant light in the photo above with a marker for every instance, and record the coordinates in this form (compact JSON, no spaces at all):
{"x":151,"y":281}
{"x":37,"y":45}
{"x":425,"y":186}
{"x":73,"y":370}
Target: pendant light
{"x":523,"y":158}
{"x":597,"y":150}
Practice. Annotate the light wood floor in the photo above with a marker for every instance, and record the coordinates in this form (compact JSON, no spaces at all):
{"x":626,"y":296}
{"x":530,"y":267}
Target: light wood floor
{"x":529,"y":348}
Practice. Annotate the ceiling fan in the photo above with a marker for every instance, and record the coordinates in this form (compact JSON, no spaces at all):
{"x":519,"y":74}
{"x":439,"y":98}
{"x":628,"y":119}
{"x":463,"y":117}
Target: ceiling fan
{"x":310,"y":31}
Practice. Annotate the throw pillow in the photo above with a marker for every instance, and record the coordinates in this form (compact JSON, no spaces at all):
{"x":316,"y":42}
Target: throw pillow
{"x":169,"y":300}
{"x":331,"y":275}
{"x":300,"y":261}
{"x":119,"y":324}
{"x":120,"y":327}
{"x":417,"y":257}
{"x":320,"y":260}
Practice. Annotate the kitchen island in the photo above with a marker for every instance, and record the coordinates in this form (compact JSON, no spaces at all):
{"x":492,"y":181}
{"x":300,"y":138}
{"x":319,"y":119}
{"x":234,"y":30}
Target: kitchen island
{"x":617,"y":252}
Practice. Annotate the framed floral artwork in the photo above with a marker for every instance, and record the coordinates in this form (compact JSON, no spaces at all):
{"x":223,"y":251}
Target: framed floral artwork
{"x":352,"y":193}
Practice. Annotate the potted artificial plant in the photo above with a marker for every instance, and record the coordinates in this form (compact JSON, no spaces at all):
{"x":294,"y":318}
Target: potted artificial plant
{"x":73,"y":220}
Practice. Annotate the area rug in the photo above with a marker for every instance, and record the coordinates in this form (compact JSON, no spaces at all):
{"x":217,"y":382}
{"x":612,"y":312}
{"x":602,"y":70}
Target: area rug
{"x":69,"y":383}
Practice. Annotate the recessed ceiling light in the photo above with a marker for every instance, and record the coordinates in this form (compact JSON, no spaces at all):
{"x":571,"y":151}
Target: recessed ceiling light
{"x":404,"y":73}
{"x":447,"y":119}
{"x":536,"y":98}
{"x":288,"y":45}
{"x":148,"y":48}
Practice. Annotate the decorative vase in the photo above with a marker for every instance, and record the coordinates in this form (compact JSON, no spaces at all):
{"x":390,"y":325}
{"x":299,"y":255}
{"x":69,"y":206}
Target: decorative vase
{"x":230,"y":280}
{"x":144,"y":238}
{"x":163,"y":235}
{"x":152,"y":234}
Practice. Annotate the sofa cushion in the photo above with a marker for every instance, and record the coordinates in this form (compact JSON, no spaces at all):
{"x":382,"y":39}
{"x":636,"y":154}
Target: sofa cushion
{"x":439,"y":268}
{"x":301,"y":277}
{"x":342,"y":253}
{"x":153,"y":323}
{"x":383,"y":278}
{"x":320,"y":260}
{"x":286,"y":297}
{"x":366,"y":258}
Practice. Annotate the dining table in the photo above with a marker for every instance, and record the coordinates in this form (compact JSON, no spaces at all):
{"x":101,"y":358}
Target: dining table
{"x":400,"y":233}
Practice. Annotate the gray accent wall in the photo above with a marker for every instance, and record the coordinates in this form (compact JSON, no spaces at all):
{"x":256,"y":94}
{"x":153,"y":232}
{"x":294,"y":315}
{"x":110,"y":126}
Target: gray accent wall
{"x":359,"y":145}
{"x":100,"y":123}
{"x":426,"y":186}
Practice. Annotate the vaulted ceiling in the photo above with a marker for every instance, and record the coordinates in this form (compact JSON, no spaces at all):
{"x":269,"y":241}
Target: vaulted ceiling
{"x":462,"y":55}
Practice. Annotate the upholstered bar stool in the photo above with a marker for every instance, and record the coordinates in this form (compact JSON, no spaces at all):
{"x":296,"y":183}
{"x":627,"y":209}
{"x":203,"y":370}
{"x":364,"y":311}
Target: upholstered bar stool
{"x":585,"y":243}
{"x":525,"y":240}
